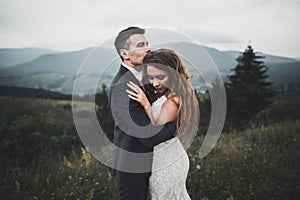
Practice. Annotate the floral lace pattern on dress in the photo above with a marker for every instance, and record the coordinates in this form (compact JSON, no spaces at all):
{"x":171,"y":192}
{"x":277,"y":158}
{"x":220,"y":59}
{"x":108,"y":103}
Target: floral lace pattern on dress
{"x":170,"y":166}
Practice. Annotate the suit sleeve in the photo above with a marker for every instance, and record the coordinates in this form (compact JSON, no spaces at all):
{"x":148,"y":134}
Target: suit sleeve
{"x":140,"y":117}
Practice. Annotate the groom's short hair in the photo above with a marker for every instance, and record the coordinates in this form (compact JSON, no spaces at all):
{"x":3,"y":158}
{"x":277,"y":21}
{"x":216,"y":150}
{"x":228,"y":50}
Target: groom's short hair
{"x":121,"y":41}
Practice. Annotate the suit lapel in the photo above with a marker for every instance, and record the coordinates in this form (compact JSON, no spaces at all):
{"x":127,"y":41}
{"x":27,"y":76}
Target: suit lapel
{"x":130,"y":77}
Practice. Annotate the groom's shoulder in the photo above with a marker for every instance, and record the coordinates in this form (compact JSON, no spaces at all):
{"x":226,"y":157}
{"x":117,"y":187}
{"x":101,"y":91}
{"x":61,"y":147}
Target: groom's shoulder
{"x":119,"y":79}
{"x":123,"y":76}
{"x":121,"y":71}
{"x":118,"y":75}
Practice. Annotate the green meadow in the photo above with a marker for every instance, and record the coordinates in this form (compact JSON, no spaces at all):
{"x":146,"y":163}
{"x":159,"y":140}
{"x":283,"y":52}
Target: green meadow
{"x":42,"y":156}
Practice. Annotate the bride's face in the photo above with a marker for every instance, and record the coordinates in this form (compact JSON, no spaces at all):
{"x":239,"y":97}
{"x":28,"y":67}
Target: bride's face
{"x":158,"y":78}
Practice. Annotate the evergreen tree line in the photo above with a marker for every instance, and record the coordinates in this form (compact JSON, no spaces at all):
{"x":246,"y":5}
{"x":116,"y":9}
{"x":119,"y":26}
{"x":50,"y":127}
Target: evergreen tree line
{"x":248,"y":91}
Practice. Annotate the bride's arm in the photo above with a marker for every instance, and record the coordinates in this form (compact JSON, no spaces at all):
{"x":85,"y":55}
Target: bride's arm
{"x":141,"y":97}
{"x":168,"y":113}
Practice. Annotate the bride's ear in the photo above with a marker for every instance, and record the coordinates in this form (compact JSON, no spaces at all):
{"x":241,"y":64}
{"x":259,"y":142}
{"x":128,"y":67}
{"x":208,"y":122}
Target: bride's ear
{"x":124,"y":54}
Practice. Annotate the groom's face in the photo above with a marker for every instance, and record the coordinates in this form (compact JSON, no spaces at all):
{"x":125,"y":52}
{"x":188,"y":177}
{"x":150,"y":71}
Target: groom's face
{"x":138,"y":48}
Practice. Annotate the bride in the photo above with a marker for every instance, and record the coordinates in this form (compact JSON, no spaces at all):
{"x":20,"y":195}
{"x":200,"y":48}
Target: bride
{"x":165,"y":72}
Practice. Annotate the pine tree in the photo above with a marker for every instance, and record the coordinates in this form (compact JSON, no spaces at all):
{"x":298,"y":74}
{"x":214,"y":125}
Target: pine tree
{"x":248,"y":91}
{"x":104,"y":112}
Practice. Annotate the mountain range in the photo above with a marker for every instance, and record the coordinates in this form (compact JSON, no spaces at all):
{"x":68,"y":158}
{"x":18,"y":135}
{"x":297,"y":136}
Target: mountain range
{"x":54,"y":70}
{"x":15,"y":56}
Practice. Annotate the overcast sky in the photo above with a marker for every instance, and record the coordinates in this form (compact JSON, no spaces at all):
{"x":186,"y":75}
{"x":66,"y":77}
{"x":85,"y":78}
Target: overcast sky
{"x":271,"y":25}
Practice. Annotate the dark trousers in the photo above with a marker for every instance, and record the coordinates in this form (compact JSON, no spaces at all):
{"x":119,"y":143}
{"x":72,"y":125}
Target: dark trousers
{"x":132,"y":186}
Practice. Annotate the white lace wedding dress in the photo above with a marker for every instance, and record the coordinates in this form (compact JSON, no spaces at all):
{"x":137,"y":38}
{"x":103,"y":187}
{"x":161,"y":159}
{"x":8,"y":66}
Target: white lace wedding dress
{"x":170,"y":166}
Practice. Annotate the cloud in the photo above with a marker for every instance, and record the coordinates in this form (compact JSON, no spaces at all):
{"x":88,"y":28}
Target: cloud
{"x":73,"y":24}
{"x":206,"y":36}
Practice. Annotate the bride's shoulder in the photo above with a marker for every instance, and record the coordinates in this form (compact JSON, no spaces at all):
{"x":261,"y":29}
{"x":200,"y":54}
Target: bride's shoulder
{"x":173,"y":98}
{"x":171,"y":103}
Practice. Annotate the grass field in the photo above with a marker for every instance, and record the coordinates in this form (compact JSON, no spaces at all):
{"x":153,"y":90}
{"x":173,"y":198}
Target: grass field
{"x":261,"y":162}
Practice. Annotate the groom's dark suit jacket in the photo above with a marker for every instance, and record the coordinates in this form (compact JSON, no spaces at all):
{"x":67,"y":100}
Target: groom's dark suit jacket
{"x":133,"y":185}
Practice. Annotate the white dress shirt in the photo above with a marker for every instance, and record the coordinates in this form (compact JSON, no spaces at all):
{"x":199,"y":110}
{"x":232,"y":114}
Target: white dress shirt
{"x":138,"y":75}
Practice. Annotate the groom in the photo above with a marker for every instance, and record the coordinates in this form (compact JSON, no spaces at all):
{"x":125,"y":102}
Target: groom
{"x":134,"y":135}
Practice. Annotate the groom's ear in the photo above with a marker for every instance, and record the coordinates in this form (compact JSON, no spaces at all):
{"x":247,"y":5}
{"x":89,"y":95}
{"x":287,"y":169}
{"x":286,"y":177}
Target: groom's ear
{"x":124,"y":54}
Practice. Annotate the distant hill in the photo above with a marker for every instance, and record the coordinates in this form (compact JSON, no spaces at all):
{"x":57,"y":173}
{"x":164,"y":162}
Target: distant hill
{"x":283,"y":73}
{"x":56,"y":71}
{"x":32,"y":93}
{"x":222,"y":60}
{"x":65,"y":63}
{"x":269,"y":59}
{"x":11,"y":57}
{"x":282,"y":70}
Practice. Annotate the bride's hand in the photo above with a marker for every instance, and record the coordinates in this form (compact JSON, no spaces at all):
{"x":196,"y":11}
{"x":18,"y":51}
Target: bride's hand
{"x":138,"y":95}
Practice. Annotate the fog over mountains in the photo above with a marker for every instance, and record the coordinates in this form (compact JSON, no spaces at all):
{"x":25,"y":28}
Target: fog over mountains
{"x":53,"y":70}
{"x":12,"y":56}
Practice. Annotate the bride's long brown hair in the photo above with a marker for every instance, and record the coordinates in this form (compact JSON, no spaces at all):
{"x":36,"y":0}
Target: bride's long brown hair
{"x":178,"y":86}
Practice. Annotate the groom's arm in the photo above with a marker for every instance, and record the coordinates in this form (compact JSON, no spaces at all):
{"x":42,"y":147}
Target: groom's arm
{"x":133,"y":120}
{"x":157,"y":134}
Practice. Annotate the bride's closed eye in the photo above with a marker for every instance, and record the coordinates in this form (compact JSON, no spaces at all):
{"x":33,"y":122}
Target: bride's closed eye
{"x":159,"y":77}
